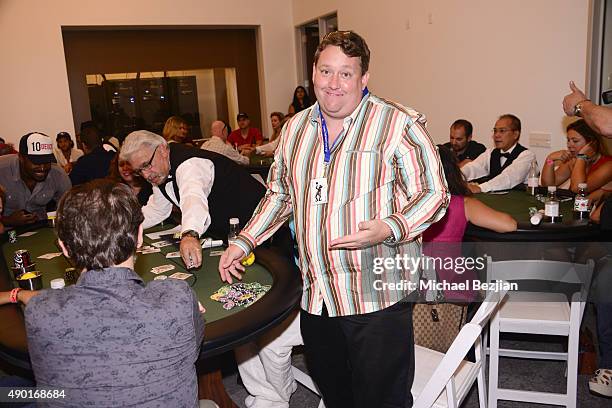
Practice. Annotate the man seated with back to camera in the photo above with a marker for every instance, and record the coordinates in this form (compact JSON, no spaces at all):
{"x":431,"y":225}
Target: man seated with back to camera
{"x":96,"y":161}
{"x":110,"y":340}
{"x":31,"y":181}
{"x":505,"y":166}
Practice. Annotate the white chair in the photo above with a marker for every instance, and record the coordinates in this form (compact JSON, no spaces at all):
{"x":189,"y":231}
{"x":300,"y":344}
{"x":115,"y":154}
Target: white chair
{"x":444,"y":380}
{"x":307,"y":382}
{"x":538,"y":313}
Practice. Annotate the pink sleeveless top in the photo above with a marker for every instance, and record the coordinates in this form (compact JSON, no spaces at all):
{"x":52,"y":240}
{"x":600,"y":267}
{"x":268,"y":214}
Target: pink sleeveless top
{"x":443,"y":240}
{"x":452,"y":226}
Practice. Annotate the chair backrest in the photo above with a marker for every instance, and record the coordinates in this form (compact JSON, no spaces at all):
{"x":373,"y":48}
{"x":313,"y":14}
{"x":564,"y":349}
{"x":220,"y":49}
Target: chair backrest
{"x":464,"y":341}
{"x":543,"y":270}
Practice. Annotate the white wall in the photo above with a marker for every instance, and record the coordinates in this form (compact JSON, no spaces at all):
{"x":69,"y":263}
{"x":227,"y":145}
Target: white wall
{"x":33,"y":69}
{"x":474,"y":59}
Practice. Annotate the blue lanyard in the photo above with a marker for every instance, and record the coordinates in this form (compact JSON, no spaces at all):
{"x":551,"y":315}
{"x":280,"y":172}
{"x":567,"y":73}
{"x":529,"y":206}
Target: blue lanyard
{"x":325,"y":133}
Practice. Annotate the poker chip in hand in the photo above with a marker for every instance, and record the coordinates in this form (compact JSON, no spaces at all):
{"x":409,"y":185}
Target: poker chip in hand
{"x":248,"y":261}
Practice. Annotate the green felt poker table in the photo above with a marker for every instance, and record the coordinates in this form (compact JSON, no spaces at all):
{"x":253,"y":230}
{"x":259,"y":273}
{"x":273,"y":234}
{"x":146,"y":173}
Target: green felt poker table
{"x":517,"y":204}
{"x":225,"y":329}
{"x":260,"y":165}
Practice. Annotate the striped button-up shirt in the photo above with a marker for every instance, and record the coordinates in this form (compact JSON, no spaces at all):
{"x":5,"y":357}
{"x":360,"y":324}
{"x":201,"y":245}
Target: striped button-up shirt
{"x":384,"y":166}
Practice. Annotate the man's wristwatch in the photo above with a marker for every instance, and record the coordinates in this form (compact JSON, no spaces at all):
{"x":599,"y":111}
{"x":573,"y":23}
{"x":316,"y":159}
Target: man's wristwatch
{"x":578,"y":108}
{"x":190,"y":233}
{"x":390,"y":240}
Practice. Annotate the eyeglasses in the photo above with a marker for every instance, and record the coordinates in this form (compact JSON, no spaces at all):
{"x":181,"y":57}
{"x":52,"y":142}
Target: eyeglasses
{"x":502,"y":130}
{"x":147,"y":166}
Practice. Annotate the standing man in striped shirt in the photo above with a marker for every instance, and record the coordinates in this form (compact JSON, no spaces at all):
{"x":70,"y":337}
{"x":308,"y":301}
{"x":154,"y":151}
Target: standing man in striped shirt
{"x":363,"y":180}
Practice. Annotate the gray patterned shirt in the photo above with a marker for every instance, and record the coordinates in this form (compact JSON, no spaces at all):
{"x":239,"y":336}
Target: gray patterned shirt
{"x":111,"y":341}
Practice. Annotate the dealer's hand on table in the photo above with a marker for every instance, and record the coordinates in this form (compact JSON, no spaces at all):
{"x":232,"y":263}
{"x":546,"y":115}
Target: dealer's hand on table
{"x":229,"y":264}
{"x":474,"y":188}
{"x":191,"y":252}
{"x":19,"y":217}
{"x":370,"y":233}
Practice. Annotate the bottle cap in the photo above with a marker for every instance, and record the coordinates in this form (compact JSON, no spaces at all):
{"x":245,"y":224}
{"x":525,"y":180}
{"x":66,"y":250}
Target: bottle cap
{"x":57,"y":283}
{"x":582,"y":185}
{"x":552,"y":188}
{"x":234,"y":221}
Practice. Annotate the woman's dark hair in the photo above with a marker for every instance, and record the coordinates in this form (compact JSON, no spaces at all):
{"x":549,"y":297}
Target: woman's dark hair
{"x":64,"y":135}
{"x":98,"y":223}
{"x":581,"y":127}
{"x":457,"y":184}
{"x":113,"y":173}
{"x":296,"y":102}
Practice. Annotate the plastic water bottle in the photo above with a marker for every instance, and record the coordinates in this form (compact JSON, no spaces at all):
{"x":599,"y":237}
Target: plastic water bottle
{"x":581,"y":203}
{"x":234,"y":230}
{"x":533,"y":181}
{"x":551,"y":206}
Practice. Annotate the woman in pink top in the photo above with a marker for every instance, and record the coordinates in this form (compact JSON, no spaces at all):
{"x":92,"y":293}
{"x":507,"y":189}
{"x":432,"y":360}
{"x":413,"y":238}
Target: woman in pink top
{"x":443,"y":238}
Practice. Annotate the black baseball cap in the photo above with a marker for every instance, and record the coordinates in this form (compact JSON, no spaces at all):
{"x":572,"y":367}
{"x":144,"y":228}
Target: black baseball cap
{"x":37,"y":147}
{"x":242,"y":115}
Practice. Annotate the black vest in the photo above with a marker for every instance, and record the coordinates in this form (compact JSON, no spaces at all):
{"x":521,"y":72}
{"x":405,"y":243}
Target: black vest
{"x":495,"y":168}
{"x":234,"y":193}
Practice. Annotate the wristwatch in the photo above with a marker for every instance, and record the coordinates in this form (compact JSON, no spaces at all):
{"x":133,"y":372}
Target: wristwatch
{"x":390,"y":240}
{"x":578,"y":108}
{"x":190,"y":233}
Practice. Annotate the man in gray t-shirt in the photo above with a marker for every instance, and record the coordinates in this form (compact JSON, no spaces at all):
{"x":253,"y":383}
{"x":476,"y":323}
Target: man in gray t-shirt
{"x":110,"y":340}
{"x":31,"y":180}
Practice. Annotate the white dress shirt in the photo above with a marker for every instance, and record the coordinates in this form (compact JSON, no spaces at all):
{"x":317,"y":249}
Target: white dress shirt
{"x":217,"y":145}
{"x":268,"y":147}
{"x":195,"y":179}
{"x":61,"y":159}
{"x":511,"y":176}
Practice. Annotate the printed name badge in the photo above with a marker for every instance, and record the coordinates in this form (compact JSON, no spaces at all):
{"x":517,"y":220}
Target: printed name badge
{"x":318,"y":191}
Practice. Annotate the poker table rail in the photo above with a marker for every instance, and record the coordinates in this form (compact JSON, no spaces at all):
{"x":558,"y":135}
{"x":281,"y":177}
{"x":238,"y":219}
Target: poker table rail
{"x":517,"y":204}
{"x":239,"y":328}
{"x":222,"y":332}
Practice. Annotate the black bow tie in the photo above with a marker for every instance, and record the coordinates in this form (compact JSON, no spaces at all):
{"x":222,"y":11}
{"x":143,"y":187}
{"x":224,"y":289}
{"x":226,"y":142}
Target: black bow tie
{"x":506,"y":155}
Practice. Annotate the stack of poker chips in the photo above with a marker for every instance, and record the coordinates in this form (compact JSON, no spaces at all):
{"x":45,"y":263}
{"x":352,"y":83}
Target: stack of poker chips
{"x":239,"y":294}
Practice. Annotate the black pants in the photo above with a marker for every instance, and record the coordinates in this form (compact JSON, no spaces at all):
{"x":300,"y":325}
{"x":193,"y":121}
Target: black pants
{"x":361,"y":360}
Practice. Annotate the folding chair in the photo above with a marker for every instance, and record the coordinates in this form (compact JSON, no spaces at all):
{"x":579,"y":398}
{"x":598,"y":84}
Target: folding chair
{"x":538,"y":313}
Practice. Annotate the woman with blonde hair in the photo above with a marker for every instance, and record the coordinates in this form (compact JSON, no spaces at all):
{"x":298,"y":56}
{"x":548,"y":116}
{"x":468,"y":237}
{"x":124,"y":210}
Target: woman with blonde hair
{"x":176,"y":130}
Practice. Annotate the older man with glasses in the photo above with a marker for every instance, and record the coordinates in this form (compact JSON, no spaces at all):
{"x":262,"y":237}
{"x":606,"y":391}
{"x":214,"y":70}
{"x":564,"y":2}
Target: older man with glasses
{"x":208,"y":188}
{"x":505,"y":166}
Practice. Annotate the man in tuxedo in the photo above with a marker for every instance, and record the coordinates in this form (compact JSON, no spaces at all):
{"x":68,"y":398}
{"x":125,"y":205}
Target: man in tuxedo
{"x":505,"y":166}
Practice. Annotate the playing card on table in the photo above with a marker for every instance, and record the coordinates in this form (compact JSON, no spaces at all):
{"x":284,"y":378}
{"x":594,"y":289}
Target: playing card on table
{"x":180,"y":275}
{"x":162,"y":268}
{"x":176,"y":254}
{"x":161,"y":244}
{"x":150,"y":251}
{"x":216,"y":253}
{"x":28,"y":234}
{"x":144,"y":248}
{"x":50,"y":255}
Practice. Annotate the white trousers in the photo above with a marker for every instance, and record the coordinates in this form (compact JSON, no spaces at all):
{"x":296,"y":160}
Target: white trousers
{"x":265,"y":365}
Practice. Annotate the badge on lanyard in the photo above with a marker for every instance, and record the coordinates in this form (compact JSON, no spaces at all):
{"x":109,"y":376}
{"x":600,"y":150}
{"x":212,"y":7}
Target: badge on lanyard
{"x":318,"y":191}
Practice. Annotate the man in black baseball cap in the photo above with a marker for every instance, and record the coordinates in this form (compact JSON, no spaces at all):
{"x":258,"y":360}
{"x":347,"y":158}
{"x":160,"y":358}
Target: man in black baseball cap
{"x":31,"y":180}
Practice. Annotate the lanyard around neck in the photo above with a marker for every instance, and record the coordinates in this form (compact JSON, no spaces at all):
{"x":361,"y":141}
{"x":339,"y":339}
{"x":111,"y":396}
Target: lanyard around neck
{"x":325,"y":134}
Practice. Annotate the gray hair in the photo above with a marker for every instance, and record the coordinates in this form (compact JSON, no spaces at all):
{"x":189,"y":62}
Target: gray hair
{"x":138,"y":139}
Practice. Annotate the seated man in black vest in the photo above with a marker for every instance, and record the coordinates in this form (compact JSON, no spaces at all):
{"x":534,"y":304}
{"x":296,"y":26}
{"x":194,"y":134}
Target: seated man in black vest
{"x":208,"y":188}
{"x":504,"y":167}
{"x":461,"y":142}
